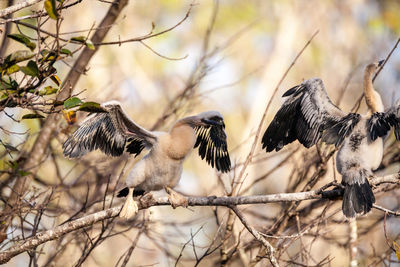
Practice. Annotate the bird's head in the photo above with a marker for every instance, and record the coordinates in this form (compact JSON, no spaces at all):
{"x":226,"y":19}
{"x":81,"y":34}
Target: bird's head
{"x":211,"y":118}
{"x":373,"y":67}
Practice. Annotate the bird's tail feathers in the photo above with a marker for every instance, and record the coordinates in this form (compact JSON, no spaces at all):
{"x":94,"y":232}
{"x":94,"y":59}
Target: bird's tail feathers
{"x":358,"y":197}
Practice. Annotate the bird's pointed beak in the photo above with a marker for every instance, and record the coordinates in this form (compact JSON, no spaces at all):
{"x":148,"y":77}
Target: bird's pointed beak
{"x":380,"y":63}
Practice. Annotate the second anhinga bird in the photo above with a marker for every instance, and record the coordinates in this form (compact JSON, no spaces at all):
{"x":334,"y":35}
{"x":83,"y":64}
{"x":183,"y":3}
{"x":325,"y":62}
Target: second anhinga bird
{"x":113,"y":132}
{"x":308,"y":115}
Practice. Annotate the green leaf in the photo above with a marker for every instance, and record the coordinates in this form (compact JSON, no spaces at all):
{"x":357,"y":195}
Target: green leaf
{"x":31,"y":69}
{"x":48,"y":90}
{"x":23,"y":39}
{"x":72,"y":102}
{"x":23,"y":173}
{"x":90,"y":45}
{"x":50,"y":6}
{"x":32,"y":116}
{"x":9,"y":85}
{"x":66,"y":52}
{"x":92,"y":107}
{"x":80,"y":39}
{"x":19,"y":56}
{"x":12,"y":69}
{"x":13,"y":164}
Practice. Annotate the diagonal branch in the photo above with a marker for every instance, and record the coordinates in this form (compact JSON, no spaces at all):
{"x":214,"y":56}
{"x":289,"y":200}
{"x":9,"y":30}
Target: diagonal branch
{"x":257,"y":235}
{"x":16,"y":7}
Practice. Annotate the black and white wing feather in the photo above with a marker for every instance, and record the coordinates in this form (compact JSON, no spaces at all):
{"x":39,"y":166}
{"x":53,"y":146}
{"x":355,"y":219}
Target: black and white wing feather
{"x":111,"y":132}
{"x":305,"y":115}
{"x":380,"y":123}
{"x":211,"y":141}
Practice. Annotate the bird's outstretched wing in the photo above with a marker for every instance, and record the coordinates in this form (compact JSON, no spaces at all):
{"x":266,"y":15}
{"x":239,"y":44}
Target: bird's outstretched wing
{"x":110,"y":132}
{"x":307,"y":115}
{"x":211,"y":141}
{"x":381,"y":122}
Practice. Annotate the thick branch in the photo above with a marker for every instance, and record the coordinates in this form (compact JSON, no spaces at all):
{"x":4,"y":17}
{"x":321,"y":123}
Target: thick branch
{"x":19,"y":6}
{"x":45,"y":236}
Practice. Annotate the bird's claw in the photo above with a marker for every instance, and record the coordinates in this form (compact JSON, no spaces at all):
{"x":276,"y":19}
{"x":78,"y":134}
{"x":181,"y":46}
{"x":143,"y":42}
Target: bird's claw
{"x":176,"y":199}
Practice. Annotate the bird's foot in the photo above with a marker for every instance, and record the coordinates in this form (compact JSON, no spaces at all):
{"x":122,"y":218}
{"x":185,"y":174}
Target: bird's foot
{"x":176,"y":199}
{"x":147,"y":199}
{"x":130,"y":208}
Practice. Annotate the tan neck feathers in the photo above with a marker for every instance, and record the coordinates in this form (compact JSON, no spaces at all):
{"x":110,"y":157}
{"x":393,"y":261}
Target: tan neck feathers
{"x":372,"y":97}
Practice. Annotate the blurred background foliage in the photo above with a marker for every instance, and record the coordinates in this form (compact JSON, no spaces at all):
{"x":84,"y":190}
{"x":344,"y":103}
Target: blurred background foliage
{"x":258,"y":40}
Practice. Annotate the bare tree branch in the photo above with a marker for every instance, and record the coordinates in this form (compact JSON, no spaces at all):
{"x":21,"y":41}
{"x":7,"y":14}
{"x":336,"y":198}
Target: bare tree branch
{"x":231,"y":202}
{"x":258,"y":236}
{"x":16,"y":7}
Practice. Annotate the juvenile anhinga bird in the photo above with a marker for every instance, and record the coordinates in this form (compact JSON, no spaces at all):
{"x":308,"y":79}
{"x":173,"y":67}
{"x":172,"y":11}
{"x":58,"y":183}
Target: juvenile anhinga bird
{"x":113,"y":132}
{"x":308,"y":115}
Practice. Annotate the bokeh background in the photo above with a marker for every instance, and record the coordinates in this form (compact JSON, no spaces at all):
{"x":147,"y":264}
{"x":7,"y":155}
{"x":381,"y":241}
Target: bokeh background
{"x":256,"y":41}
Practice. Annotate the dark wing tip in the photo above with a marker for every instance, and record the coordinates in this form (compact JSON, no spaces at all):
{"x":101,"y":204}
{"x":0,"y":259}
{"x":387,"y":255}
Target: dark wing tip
{"x":135,"y":146}
{"x":212,"y":145}
{"x":378,"y":125}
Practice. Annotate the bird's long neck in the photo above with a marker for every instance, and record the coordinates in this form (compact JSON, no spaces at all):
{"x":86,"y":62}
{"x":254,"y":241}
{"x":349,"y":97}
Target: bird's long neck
{"x":180,"y":141}
{"x":372,"y":97}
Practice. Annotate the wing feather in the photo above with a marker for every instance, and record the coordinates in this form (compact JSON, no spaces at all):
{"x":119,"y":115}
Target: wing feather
{"x":304,"y":116}
{"x":109,"y":132}
{"x":380,"y":123}
{"x":211,"y":141}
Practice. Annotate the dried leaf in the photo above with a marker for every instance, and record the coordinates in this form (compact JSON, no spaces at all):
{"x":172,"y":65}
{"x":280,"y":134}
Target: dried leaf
{"x":70,"y":116}
{"x":397,"y":248}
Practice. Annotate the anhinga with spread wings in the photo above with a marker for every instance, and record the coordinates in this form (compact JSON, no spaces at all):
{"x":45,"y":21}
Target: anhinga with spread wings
{"x":113,"y":132}
{"x":308,"y":115}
